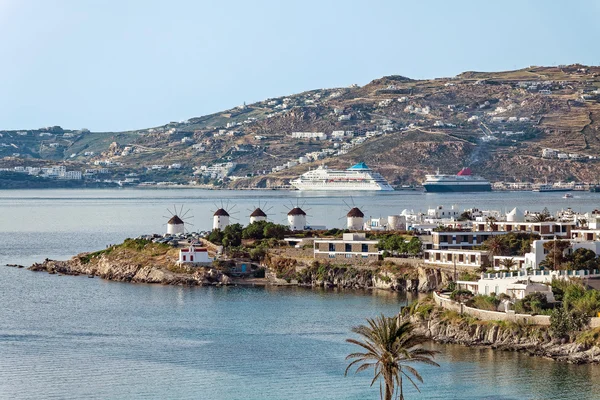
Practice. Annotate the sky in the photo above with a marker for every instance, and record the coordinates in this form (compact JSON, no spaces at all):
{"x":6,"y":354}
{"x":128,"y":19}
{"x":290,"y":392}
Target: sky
{"x":113,"y":65}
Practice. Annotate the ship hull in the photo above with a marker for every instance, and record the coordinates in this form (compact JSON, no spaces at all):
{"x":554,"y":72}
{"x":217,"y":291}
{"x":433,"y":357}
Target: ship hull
{"x":450,"y":188}
{"x":553,"y":190}
{"x":334,"y":188}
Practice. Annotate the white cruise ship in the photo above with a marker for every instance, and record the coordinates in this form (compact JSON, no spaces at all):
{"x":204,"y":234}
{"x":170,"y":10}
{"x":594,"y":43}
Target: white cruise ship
{"x":464,"y":181}
{"x":357,"y":177}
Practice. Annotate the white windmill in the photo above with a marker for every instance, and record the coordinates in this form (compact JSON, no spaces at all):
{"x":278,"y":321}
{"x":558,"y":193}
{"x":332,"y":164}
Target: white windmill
{"x":177,"y":221}
{"x":222,"y":216}
{"x":355,"y":218}
{"x":296,"y":218}
{"x":258,"y":214}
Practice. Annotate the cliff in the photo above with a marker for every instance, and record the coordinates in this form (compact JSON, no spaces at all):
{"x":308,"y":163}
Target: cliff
{"x":444,"y":326}
{"x":402,"y":278}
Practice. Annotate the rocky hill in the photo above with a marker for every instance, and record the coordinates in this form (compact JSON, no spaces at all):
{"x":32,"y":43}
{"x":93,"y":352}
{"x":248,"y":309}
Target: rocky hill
{"x":532,"y":124}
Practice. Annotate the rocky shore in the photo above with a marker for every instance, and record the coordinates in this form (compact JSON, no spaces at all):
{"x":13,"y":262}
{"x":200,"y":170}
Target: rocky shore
{"x":133,"y":272}
{"x":444,"y":326}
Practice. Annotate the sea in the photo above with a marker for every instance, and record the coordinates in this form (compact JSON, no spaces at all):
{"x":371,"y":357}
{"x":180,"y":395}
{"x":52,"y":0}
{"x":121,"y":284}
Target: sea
{"x":65,"y":337}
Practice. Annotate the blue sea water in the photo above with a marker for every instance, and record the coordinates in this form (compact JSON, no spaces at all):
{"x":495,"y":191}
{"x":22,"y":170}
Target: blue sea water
{"x":78,"y":338}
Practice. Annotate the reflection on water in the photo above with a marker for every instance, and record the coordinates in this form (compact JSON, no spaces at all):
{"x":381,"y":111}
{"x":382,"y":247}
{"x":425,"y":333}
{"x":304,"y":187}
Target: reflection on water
{"x":134,"y":341}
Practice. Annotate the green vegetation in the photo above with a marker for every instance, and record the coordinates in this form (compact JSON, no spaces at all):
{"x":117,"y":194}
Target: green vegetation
{"x":578,"y":305}
{"x":139,"y":249}
{"x":483,"y":302}
{"x":580,"y":259}
{"x":468,"y":276}
{"x":399,"y":244}
{"x":264,"y":230}
{"x":512,"y":244}
{"x":461,"y":295}
{"x":389,"y":345}
{"x":533,"y":303}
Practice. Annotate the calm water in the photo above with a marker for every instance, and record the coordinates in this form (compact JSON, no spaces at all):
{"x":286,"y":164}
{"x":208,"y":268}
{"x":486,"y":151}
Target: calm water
{"x":73,"y":337}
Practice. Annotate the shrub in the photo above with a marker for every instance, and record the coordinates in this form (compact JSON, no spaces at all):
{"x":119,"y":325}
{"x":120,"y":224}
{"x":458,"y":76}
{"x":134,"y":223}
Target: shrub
{"x":461,"y":295}
{"x":483,"y":302}
{"x":533,"y":303}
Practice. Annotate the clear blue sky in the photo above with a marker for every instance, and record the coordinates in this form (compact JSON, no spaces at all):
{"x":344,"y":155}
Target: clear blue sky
{"x":127,"y":64}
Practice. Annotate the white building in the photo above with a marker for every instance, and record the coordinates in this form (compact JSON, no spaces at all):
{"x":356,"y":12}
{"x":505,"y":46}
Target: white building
{"x":309,"y":135}
{"x":516,"y":288}
{"x":194,"y":255}
{"x":538,"y":253}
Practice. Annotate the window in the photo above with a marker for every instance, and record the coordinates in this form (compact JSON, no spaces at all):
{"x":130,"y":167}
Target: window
{"x":183,"y":258}
{"x":332,"y":256}
{"x":191,"y":258}
{"x":348,"y":255}
{"x":364,"y":256}
{"x":348,"y":247}
{"x":364,"y":248}
{"x":331,"y":246}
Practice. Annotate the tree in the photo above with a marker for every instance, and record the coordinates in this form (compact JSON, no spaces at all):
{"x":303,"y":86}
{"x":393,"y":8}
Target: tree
{"x":491,"y":223}
{"x":465,"y":216}
{"x":390,"y":344}
{"x":508,"y":263}
{"x":215,"y":236}
{"x":414,"y":246}
{"x":232,"y":235}
{"x":556,"y":254}
{"x":495,"y":246}
{"x":254,"y":230}
{"x":275,"y":231}
{"x":544,"y":216}
{"x":584,"y":259}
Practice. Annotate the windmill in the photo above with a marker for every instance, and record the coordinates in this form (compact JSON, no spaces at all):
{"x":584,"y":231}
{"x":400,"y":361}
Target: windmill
{"x":177,"y":220}
{"x":296,"y":217}
{"x":222,"y":215}
{"x":355,"y":218}
{"x":258,"y":214}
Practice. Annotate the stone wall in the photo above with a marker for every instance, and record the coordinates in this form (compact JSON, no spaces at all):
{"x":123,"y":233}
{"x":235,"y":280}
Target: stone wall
{"x":485,"y":315}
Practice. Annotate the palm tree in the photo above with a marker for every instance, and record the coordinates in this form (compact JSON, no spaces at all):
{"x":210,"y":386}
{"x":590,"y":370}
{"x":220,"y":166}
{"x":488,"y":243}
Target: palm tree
{"x":508,"y":263}
{"x":495,"y":246}
{"x":390,"y":345}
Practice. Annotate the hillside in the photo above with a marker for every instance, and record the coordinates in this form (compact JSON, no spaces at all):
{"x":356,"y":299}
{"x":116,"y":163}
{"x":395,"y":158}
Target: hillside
{"x":499,"y":123}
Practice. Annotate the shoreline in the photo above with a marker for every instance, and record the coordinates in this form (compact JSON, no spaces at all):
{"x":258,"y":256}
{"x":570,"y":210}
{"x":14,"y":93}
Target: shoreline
{"x":533,"y":340}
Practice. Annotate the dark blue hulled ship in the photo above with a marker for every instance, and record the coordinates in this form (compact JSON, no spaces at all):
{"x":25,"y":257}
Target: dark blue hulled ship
{"x":464,"y":181}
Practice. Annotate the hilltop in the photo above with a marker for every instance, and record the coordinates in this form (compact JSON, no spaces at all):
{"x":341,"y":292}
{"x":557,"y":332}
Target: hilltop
{"x":531,"y":124}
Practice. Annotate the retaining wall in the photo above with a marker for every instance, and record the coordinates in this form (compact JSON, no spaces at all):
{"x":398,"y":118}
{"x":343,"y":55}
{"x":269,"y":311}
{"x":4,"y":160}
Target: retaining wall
{"x":485,"y":315}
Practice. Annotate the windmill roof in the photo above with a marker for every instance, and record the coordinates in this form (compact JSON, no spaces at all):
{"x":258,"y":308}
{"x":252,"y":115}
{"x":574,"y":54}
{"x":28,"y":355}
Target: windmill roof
{"x":355,"y":212}
{"x":296,"y":211}
{"x":258,"y":213}
{"x":221,"y":212}
{"x":175,"y":220}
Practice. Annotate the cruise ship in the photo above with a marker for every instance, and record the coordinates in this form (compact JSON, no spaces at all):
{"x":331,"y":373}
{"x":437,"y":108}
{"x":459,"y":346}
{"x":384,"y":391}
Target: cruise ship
{"x":357,"y":177}
{"x":464,"y":181}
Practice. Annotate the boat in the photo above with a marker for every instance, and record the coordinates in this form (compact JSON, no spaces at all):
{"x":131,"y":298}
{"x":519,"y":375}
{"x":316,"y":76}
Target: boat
{"x":553,"y":188}
{"x":568,"y":196}
{"x":595,"y":188}
{"x":357,"y":177}
{"x":464,"y":181}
